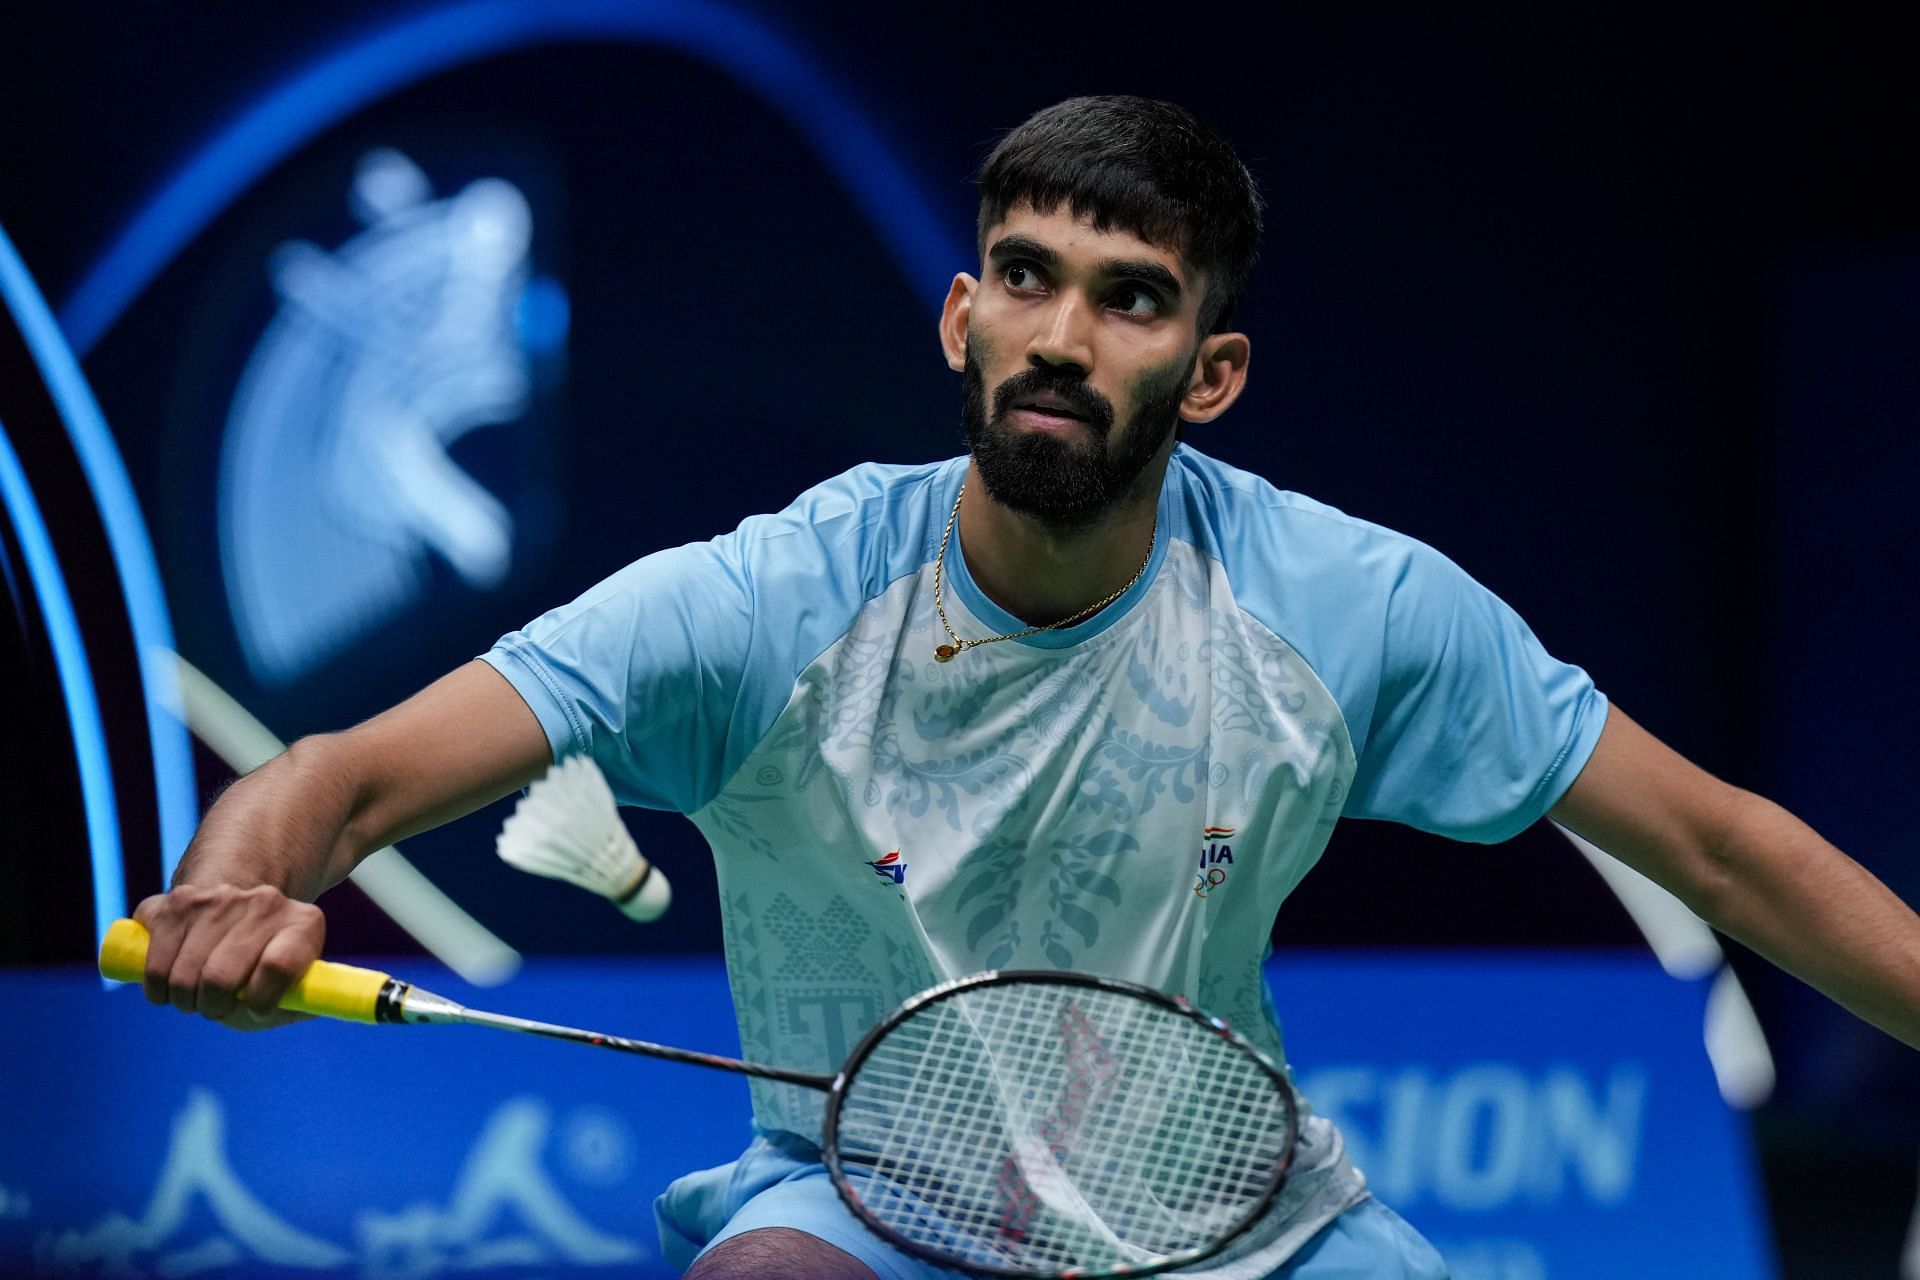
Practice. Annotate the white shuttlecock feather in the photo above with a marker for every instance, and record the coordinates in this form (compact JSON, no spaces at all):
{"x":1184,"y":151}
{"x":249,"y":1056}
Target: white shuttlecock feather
{"x":567,"y":828}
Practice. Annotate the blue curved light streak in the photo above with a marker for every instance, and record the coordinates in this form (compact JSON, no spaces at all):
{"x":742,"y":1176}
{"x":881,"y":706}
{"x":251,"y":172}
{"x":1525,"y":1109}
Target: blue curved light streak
{"x":76,"y":687}
{"x":372,"y":66}
{"x":133,"y":558}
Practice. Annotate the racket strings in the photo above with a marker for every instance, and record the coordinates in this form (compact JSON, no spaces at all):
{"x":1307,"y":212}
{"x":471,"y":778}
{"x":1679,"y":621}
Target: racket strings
{"x":1043,"y":1127}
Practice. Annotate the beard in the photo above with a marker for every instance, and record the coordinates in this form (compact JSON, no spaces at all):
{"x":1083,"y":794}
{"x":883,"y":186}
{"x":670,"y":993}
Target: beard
{"x":1067,"y":484}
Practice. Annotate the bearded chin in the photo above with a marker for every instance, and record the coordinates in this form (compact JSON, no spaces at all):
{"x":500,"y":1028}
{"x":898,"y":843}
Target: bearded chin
{"x":1066,"y":484}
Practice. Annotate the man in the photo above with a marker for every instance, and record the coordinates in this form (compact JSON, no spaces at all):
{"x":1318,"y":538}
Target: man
{"x":981,"y":713}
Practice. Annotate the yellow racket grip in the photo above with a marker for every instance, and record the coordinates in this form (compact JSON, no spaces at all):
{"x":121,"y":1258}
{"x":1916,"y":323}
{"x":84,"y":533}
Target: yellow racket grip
{"x":330,"y":990}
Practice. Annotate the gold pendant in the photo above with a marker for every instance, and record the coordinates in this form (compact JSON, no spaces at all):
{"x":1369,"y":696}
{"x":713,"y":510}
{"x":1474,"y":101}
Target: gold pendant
{"x":944,"y":653}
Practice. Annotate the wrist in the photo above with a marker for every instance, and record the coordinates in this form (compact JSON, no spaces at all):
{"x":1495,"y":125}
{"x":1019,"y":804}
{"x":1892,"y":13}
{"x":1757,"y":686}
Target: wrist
{"x":284,"y":826}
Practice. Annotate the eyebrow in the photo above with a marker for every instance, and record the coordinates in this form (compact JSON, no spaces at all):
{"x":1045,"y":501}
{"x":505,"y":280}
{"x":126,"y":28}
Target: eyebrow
{"x":1012,"y":248}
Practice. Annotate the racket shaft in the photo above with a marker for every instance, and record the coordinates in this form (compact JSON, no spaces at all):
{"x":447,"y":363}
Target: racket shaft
{"x":415,"y":1009}
{"x":353,"y":994}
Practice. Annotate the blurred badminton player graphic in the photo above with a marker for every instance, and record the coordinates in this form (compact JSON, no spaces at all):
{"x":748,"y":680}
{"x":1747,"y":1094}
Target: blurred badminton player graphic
{"x":981,"y":714}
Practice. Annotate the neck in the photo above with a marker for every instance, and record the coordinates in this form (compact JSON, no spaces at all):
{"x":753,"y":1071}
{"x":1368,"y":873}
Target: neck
{"x":1041,"y":574}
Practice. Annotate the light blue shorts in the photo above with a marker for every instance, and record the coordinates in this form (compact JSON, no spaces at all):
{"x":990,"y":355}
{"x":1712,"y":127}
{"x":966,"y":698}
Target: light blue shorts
{"x":769,"y":1186}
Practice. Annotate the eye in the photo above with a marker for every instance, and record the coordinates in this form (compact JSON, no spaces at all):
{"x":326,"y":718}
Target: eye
{"x":1135,"y":301}
{"x":1021,"y":276}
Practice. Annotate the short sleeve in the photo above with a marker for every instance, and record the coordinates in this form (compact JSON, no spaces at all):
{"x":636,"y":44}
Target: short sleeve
{"x":642,"y":672}
{"x":670,"y":671}
{"x":1476,"y":730}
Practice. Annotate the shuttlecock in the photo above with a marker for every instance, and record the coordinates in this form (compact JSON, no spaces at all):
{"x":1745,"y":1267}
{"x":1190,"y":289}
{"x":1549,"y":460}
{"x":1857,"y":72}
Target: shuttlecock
{"x":566,"y":828}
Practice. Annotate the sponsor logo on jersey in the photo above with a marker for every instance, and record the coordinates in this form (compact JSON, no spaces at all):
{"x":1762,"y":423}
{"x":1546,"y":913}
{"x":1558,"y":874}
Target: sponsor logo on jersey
{"x":1216,"y":860}
{"x":890,"y":866}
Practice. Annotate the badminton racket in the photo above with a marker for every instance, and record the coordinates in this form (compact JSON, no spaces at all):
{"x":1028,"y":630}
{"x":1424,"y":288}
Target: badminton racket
{"x":1012,"y":1123}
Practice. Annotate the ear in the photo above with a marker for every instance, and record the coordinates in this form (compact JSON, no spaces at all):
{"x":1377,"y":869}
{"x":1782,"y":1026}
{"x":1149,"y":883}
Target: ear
{"x":955,"y":315}
{"x":1219,"y":375}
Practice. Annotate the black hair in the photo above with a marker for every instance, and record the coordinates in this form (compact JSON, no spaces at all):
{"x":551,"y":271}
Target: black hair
{"x":1148,"y":167}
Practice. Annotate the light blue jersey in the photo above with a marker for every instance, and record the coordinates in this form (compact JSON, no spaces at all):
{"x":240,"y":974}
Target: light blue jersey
{"x":1132,"y":796}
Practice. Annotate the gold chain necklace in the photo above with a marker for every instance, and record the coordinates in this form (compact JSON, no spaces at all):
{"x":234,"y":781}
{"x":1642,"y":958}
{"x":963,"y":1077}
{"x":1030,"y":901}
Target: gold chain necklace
{"x":947,"y":652}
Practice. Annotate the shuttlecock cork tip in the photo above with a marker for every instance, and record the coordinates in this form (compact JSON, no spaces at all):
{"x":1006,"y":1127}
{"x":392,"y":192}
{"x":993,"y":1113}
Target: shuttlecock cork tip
{"x":567,"y":827}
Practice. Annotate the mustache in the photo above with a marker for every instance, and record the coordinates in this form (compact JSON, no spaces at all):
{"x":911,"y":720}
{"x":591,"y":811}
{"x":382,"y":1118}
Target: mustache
{"x":1073,"y":388}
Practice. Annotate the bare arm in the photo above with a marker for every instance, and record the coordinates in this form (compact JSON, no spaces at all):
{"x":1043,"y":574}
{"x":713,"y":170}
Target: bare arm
{"x":236,"y":930}
{"x":1752,"y":870}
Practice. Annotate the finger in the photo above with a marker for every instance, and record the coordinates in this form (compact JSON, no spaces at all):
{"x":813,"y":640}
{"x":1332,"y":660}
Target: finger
{"x":245,"y":1019}
{"x":228,"y":968}
{"x":163,"y":944}
{"x":204,"y":934}
{"x":287,"y":956}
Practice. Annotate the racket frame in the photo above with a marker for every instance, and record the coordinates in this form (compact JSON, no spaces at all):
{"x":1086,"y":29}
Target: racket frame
{"x":396,"y":1001}
{"x":830,"y":1127}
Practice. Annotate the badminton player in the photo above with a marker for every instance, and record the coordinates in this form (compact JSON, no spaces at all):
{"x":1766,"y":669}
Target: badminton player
{"x":987,"y":712}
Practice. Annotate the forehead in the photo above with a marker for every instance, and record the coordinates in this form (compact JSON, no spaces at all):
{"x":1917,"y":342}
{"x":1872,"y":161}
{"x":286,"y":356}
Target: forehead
{"x":1079,"y":243}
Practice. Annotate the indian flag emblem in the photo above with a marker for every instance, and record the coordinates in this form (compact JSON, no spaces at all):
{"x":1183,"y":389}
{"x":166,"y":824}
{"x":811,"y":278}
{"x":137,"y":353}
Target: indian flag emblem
{"x":1216,"y":855}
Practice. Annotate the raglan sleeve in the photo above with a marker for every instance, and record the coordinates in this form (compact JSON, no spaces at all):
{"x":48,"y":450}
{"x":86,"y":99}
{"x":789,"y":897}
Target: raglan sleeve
{"x":1476,"y":730}
{"x":643,"y":671}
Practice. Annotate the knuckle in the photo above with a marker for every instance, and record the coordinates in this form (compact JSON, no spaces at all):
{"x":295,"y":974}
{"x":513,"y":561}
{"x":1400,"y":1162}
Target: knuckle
{"x":220,"y":979}
{"x":280,"y":968}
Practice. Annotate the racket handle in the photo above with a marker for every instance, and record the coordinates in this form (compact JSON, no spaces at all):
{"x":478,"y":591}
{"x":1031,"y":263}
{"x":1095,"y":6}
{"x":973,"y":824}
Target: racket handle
{"x":330,"y":990}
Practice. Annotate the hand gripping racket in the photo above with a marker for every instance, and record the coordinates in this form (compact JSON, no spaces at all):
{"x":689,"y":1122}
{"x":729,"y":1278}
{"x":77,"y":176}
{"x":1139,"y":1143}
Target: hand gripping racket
{"x":1012,"y":1123}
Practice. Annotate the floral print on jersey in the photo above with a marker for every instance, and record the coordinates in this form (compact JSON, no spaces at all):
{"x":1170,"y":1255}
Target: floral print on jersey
{"x":1046,"y":806}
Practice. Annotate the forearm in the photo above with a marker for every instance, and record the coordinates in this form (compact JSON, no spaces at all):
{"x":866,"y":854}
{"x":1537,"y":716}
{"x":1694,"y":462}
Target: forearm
{"x":237,"y":930}
{"x":1775,"y":885}
{"x":302,"y":821}
{"x":1752,"y":870}
{"x":293,"y":824}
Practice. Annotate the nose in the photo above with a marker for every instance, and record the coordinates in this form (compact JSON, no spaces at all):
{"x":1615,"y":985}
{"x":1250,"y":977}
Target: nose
{"x":1064,"y":339}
